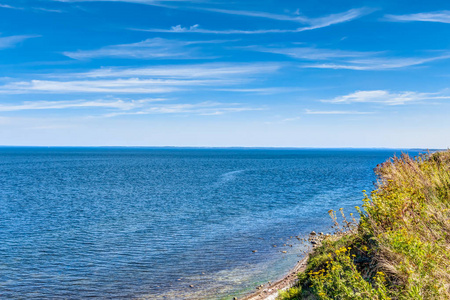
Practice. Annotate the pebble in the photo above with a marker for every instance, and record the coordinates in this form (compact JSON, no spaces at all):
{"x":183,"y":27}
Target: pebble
{"x":313,"y":233}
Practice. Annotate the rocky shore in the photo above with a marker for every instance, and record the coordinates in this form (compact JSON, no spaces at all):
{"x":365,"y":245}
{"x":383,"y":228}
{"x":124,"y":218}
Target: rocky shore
{"x":270,"y":290}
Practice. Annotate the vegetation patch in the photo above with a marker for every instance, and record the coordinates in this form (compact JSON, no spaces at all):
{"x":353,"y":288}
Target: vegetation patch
{"x":399,"y":249}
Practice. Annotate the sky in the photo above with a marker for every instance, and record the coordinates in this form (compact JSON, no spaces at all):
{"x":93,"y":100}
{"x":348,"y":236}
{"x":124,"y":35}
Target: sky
{"x":225,"y":73}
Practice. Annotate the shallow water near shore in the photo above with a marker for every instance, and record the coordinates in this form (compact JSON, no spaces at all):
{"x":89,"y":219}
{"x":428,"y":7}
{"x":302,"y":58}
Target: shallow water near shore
{"x":150,"y":222}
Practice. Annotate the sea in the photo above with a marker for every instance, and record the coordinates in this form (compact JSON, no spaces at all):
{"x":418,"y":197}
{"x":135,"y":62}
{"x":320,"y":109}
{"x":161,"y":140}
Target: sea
{"x":167,"y":223}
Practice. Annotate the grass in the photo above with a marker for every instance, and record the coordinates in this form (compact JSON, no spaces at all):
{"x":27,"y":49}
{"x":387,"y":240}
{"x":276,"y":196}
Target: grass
{"x":399,"y":249}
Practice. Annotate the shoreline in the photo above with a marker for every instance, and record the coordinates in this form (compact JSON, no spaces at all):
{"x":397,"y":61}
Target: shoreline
{"x":270,"y":291}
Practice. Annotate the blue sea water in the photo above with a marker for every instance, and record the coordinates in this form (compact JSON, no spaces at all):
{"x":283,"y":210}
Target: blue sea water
{"x":148,"y":223}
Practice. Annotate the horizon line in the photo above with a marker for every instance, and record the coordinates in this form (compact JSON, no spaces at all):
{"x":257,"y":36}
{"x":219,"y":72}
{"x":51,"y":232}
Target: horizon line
{"x":233,"y":147}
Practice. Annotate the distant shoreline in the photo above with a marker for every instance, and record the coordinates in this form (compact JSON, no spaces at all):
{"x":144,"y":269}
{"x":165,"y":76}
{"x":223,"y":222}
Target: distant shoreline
{"x":221,"y":148}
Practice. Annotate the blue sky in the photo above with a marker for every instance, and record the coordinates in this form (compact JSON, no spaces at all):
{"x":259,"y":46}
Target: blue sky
{"x":222,"y":73}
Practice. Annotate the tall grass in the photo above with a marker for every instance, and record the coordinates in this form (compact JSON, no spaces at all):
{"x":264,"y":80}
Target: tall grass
{"x":400,"y":249}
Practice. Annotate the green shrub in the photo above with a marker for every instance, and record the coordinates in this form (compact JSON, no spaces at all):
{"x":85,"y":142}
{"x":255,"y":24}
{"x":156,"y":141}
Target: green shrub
{"x":401,"y":247}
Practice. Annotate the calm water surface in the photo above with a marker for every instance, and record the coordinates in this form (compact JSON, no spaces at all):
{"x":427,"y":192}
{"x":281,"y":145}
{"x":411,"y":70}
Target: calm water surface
{"x":147,"y":223}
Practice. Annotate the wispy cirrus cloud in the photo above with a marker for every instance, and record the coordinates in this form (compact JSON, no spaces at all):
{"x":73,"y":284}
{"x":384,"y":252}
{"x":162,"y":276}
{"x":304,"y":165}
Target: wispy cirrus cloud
{"x":12,"y":41}
{"x":350,"y":60}
{"x":261,"y":91}
{"x":442,"y":16}
{"x":31,"y":8}
{"x":312,"y":53}
{"x":283,"y":120}
{"x":119,"y":104}
{"x":155,"y":48}
{"x":119,"y":107}
{"x":336,"y":112}
{"x":329,"y":19}
{"x":385,"y":63}
{"x":320,"y":21}
{"x":207,"y":108}
{"x":9,"y":6}
{"x":154,"y":80}
{"x":146,"y":2}
{"x":207,"y":70}
{"x":386,"y":97}
{"x":129,"y":85}
{"x":312,"y":23}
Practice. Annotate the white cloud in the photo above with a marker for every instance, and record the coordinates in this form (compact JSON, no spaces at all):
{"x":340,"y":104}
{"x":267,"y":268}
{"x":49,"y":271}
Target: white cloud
{"x":197,"y":29}
{"x":261,"y":91}
{"x":203,"y":108}
{"x":46,"y":105}
{"x":336,"y":112}
{"x":147,"y":2}
{"x":155,"y":48}
{"x":381,"y":63}
{"x":386,"y":97}
{"x":117,"y":107}
{"x":9,"y":6}
{"x":438,"y":16}
{"x":346,"y":16}
{"x":208,"y":71}
{"x":350,"y":60}
{"x":282,"y":121}
{"x":131,"y":85}
{"x":31,"y":8}
{"x":313,"y":23}
{"x":161,"y":79}
{"x":47,"y":9}
{"x":311,"y":53}
{"x":12,"y":41}
{"x":260,"y":14}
